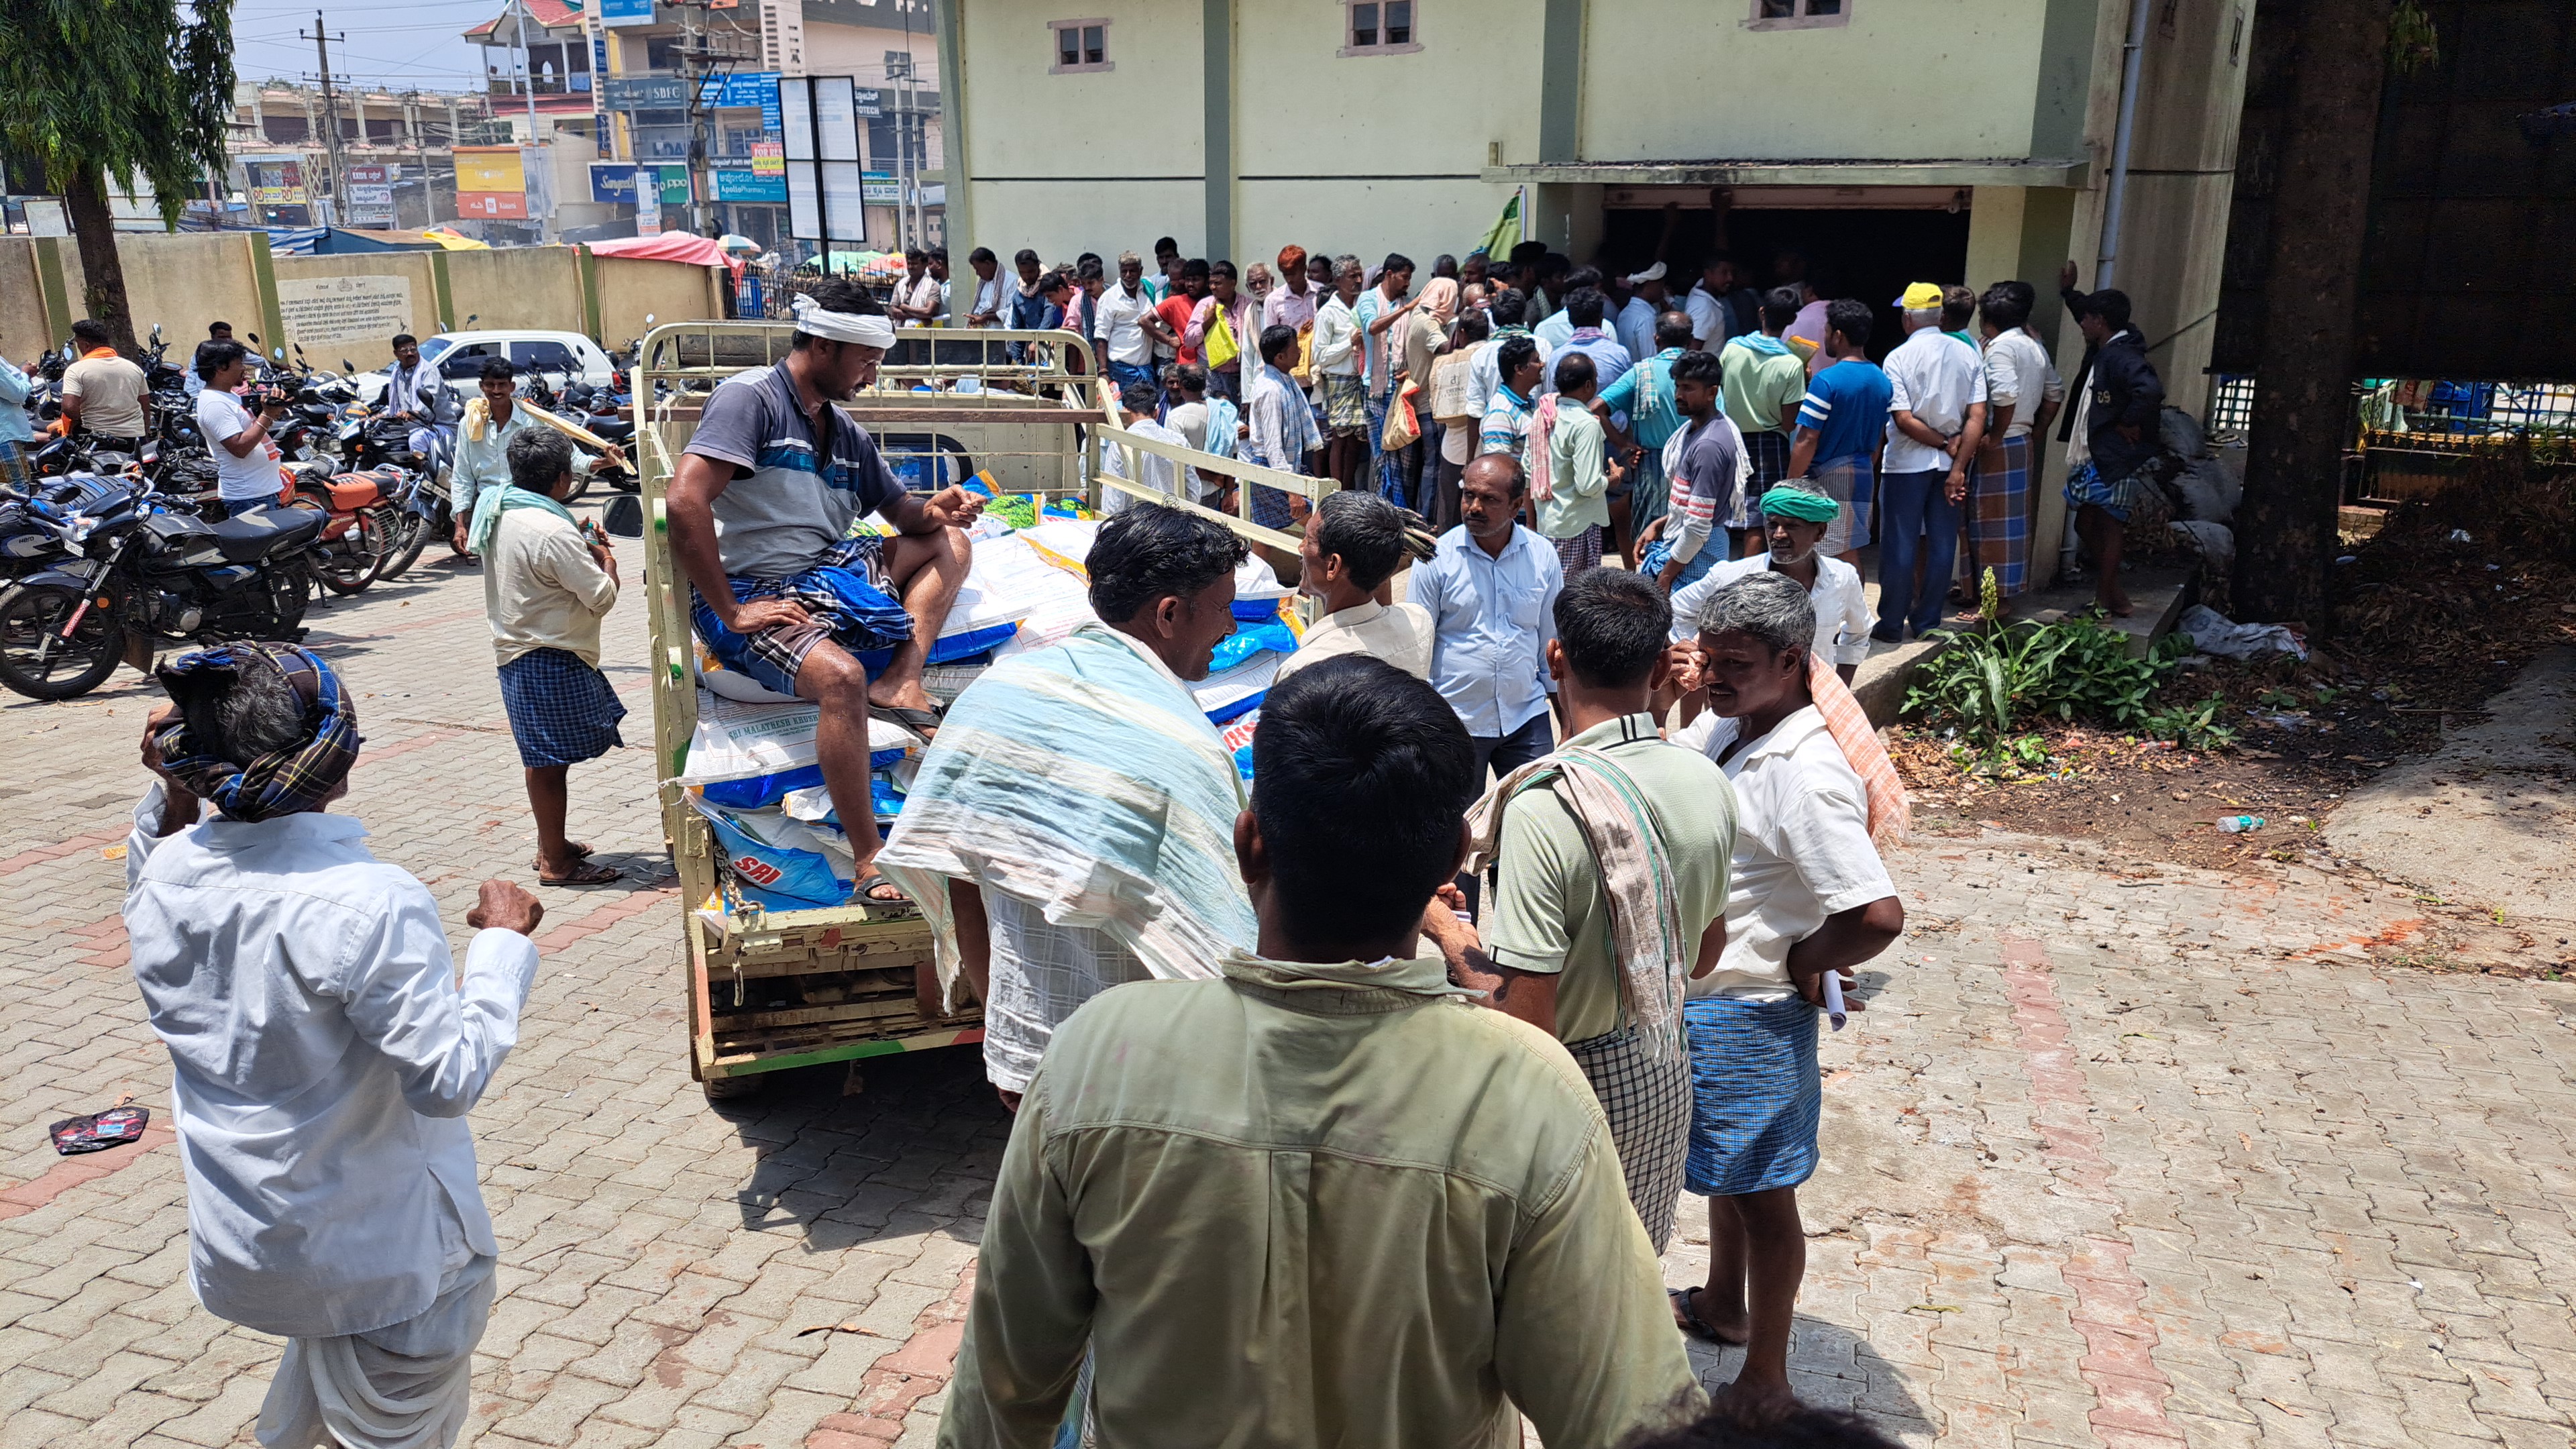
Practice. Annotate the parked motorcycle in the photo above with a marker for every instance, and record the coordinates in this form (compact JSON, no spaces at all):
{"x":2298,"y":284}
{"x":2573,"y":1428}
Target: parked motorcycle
{"x":129,"y":573}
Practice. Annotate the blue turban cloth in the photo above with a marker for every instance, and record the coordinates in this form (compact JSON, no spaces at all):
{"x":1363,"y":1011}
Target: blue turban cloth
{"x":288,"y":780}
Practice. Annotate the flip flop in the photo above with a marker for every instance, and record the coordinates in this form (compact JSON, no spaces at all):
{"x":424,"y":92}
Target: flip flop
{"x":1690,"y":1321}
{"x":585,"y":874}
{"x":862,"y":891}
{"x":923,"y":722}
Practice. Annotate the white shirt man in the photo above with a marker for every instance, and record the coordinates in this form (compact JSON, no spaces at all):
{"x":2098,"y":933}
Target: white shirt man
{"x":1708,"y":316}
{"x":1937,"y":378}
{"x":239,"y":479}
{"x":1119,"y":323}
{"x":1152,"y":469}
{"x":324,"y":1056}
{"x":2020,"y":376}
{"x":1802,"y":848}
{"x":1484,"y":371}
{"x":1843,"y":614}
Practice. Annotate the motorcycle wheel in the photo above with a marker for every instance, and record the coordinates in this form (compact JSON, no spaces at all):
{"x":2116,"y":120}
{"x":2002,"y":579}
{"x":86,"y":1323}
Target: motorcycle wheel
{"x":350,"y":562}
{"x":37,"y":661}
{"x":410,"y":534}
{"x":290,"y":588}
{"x":580,"y":487}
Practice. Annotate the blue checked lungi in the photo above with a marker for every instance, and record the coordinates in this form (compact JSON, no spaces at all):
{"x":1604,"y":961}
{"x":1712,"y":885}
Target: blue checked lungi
{"x":2086,"y":485}
{"x":1769,"y":452}
{"x":846,"y":596}
{"x":1999,"y":521}
{"x":562,"y":711}
{"x":1755,"y":1094}
{"x":1847,"y":481}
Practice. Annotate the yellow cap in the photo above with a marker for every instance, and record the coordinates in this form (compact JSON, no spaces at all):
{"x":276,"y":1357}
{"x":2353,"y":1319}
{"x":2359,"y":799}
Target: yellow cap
{"x":1921,"y":297}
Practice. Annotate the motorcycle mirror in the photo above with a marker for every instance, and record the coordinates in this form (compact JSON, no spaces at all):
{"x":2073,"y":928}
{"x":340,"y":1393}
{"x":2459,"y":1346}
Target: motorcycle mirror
{"x":254,"y":337}
{"x":347,"y":366}
{"x":648,"y":319}
{"x":624,"y":516}
{"x":278,"y":352}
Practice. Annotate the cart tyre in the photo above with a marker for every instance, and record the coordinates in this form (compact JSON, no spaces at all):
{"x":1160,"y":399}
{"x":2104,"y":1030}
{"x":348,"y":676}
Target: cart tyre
{"x":734,"y":1089}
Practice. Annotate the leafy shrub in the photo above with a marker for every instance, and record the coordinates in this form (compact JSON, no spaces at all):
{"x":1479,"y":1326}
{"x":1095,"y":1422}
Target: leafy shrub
{"x":1992,"y":684}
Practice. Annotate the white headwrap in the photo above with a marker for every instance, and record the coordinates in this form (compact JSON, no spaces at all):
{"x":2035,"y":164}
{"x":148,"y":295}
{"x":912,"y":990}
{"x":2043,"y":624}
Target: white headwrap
{"x":1654,"y":273}
{"x":865,"y":329}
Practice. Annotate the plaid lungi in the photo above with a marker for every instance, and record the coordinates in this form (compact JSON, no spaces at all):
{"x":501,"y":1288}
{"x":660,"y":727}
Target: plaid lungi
{"x":562,"y":711}
{"x":13,"y":466}
{"x":1582,"y":551}
{"x":1649,"y":1106}
{"x":2086,"y":487}
{"x":847,"y":598}
{"x":1755,"y":1094}
{"x":1769,"y":452}
{"x":1848,"y":482}
{"x":1651,"y":493}
{"x":1999,"y":521}
{"x":1346,"y":409}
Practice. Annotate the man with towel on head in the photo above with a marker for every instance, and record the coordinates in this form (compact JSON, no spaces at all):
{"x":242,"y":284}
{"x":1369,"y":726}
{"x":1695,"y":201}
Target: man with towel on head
{"x":1815,"y":798}
{"x":1794,"y":519}
{"x":760,"y":511}
{"x":1073,"y":825}
{"x":324,"y":1053}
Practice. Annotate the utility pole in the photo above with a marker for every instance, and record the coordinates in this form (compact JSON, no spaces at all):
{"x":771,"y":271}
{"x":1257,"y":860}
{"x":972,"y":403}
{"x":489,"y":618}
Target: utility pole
{"x":330,"y":112}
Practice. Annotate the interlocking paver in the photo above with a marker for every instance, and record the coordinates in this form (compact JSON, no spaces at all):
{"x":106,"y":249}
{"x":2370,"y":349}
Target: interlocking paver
{"x":2123,"y":1156}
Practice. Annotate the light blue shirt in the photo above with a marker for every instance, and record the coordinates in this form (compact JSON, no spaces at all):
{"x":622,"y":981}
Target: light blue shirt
{"x":1610,"y":361}
{"x":1491,"y":619}
{"x":1636,"y":327}
{"x":16,"y":425}
{"x":1555,"y":331}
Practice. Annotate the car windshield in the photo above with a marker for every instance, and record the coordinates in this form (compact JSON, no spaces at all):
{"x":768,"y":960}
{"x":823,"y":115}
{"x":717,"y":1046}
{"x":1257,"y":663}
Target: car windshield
{"x":430,"y":350}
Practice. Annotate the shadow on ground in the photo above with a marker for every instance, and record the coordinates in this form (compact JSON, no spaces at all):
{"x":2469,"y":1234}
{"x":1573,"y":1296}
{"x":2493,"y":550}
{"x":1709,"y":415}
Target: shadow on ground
{"x":915,"y":1150}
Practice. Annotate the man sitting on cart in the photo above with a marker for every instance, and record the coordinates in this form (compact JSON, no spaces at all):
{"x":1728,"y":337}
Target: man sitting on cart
{"x":760,"y":512}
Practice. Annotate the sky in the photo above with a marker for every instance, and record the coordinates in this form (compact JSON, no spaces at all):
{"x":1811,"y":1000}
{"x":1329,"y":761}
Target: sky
{"x":414,"y":43}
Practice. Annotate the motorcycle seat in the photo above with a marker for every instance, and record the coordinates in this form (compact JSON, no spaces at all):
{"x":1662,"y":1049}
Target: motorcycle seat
{"x":252,"y":535}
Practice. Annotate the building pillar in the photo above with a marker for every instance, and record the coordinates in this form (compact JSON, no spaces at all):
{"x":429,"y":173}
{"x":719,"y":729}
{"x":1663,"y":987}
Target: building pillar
{"x":1216,"y":71}
{"x":949,"y":21}
{"x":1560,"y":82}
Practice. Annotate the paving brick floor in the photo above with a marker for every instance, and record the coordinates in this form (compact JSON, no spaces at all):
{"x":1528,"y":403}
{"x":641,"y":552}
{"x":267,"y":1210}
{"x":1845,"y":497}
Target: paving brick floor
{"x":2123,"y":1155}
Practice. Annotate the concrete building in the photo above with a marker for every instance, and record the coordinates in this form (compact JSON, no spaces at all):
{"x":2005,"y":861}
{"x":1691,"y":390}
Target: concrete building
{"x":610,"y":89}
{"x":1891,"y":140}
{"x":396,"y":155}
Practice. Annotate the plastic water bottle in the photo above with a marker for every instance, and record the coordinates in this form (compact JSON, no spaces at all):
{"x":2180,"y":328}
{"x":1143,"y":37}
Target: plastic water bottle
{"x":2240,"y":824}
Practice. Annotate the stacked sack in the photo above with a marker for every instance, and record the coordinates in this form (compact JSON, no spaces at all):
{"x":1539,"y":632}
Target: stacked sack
{"x":751,"y":771}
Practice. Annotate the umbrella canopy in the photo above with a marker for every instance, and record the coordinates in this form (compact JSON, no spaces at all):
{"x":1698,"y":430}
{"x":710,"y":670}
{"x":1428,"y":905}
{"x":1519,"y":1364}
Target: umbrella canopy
{"x":736,"y":242}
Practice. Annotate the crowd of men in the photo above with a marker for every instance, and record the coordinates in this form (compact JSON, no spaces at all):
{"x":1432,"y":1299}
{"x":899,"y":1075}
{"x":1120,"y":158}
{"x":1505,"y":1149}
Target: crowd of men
{"x":1446,"y":1053}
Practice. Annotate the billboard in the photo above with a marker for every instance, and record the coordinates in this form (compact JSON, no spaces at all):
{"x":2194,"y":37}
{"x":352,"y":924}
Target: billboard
{"x":625,"y":12}
{"x":739,"y":178}
{"x":826,"y":200}
{"x":275,"y":180}
{"x":613,"y":182}
{"x":644,"y":92}
{"x":490,"y":169}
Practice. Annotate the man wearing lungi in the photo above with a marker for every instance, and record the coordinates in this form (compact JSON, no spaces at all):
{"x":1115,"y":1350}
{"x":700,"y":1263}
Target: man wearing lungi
{"x":324,"y":1054}
{"x":1608,"y":873}
{"x":761,"y":508}
{"x":1814,"y":794}
{"x":2022,"y":392}
{"x":1765,"y":385}
{"x":547,"y":582}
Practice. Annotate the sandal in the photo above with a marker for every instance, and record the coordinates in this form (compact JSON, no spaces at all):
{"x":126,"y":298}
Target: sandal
{"x":864,"y":891}
{"x":923,"y":722}
{"x":1690,"y":1321}
{"x":583,"y":874}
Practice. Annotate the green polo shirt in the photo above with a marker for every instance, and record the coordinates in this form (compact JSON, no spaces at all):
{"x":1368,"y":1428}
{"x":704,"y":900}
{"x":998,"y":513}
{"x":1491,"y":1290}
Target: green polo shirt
{"x":1549,"y":913}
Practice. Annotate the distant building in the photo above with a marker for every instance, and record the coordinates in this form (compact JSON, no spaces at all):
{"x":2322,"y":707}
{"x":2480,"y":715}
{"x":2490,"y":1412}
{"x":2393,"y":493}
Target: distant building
{"x":396,"y":148}
{"x":610,"y":86}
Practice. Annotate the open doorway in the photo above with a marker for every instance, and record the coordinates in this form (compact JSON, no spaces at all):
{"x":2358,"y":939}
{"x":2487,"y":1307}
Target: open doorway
{"x":1868,"y":252}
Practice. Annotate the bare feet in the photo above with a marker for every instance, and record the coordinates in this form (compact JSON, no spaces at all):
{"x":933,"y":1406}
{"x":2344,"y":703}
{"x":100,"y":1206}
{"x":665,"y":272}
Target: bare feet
{"x":1757,"y":1403}
{"x":2115,"y":603}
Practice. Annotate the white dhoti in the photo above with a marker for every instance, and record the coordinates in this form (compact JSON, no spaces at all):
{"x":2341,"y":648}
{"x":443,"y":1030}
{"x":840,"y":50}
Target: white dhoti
{"x":404,"y":1386}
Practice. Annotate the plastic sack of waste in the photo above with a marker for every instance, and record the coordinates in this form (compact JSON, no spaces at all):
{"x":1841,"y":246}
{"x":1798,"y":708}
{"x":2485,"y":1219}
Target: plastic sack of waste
{"x":747,"y":756}
{"x":1249,"y":639}
{"x":2212,"y":632}
{"x":778,"y":863}
{"x":888,"y":783}
{"x":1228,"y":694}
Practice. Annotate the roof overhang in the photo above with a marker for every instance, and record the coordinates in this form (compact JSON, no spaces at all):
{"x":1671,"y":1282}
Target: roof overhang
{"x":2001,"y":171}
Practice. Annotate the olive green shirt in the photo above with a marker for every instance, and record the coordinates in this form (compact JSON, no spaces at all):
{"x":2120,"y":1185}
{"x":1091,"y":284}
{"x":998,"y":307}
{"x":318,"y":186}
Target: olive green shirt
{"x":1550,"y":914}
{"x":1306,"y":1205}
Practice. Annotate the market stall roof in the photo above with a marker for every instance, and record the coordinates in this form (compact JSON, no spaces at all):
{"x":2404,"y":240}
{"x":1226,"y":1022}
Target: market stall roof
{"x":674,"y":246}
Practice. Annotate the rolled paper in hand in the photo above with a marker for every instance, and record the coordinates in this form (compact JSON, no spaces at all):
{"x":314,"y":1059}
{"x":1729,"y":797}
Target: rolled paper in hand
{"x":1834,"y":1009}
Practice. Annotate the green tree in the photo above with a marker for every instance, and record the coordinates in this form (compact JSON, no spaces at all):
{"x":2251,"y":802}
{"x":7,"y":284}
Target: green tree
{"x":101,"y":90}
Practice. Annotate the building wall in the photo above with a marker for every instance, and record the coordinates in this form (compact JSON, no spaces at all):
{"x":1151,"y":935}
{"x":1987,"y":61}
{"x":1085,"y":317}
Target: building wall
{"x":1673,"y":80}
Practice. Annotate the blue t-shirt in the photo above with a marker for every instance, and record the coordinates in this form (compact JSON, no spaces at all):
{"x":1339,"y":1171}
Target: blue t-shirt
{"x":792,"y":496}
{"x":1847,"y":406}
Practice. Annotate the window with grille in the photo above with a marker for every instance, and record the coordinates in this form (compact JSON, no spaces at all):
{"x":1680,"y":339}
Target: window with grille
{"x":1379,"y":27}
{"x":1798,"y":14}
{"x":1080,"y":45}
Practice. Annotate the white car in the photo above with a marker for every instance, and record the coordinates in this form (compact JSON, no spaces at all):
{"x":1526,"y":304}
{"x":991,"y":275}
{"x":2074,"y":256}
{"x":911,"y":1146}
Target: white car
{"x":459,"y":357}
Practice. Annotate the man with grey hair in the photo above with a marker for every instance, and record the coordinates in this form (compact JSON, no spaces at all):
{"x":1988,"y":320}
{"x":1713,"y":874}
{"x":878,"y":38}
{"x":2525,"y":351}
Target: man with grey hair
{"x":547,"y":582}
{"x":1349,"y":554}
{"x":324,"y":1053}
{"x":1811,"y":899}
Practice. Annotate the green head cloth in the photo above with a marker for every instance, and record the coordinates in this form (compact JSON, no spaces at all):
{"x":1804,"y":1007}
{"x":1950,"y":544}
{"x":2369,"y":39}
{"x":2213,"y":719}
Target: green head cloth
{"x":1800,"y":504}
